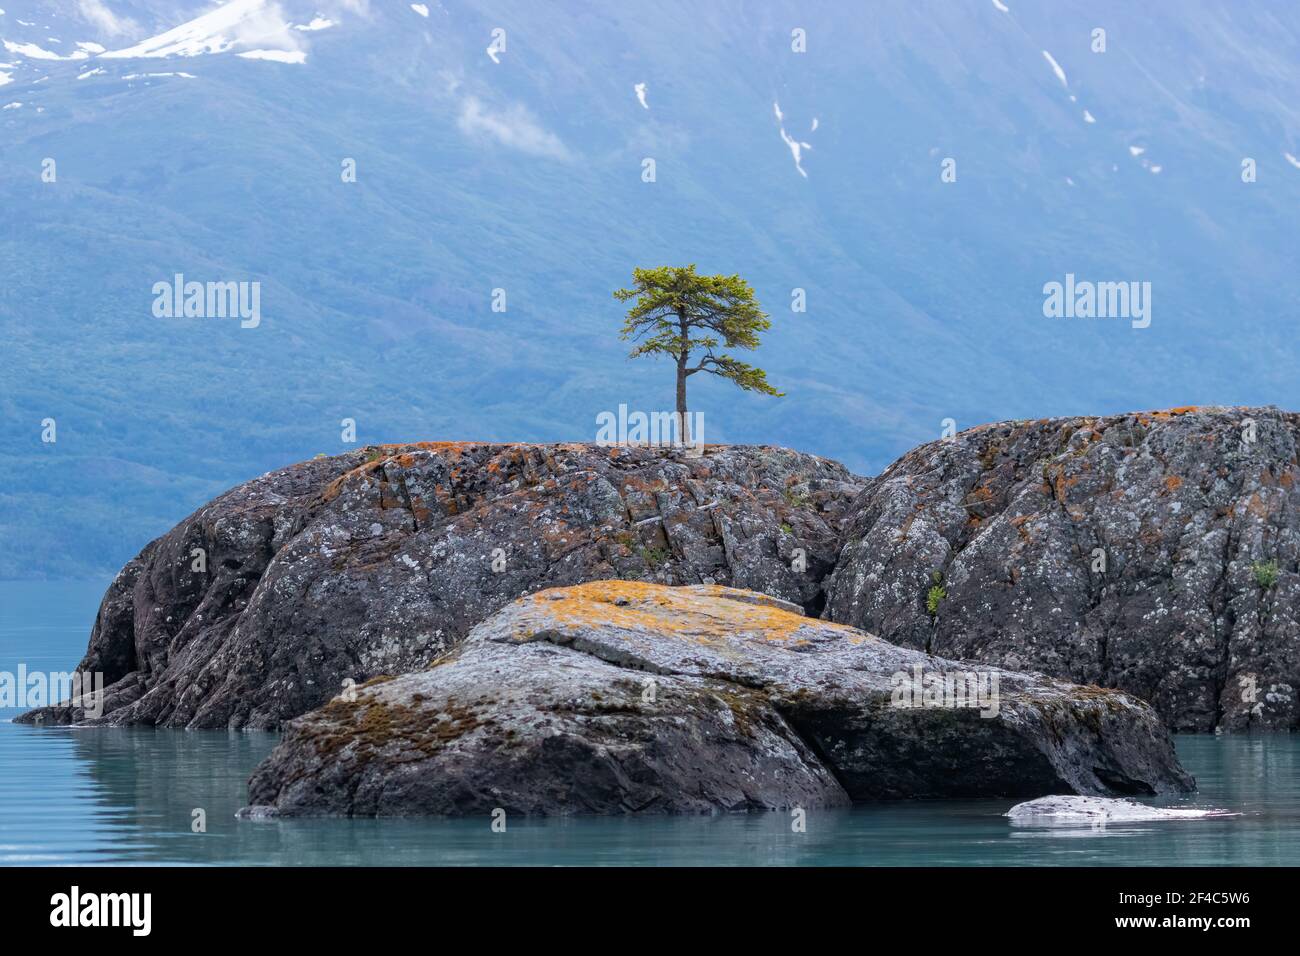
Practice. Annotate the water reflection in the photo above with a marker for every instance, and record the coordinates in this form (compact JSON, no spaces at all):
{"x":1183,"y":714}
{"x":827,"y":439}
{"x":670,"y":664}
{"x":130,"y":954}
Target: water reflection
{"x":128,"y":795}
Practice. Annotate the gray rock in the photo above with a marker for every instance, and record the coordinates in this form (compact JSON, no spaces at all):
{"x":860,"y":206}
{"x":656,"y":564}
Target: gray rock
{"x":257,"y":812}
{"x":1072,"y":810}
{"x":619,"y":697}
{"x":1187,"y":513}
{"x":262,"y":603}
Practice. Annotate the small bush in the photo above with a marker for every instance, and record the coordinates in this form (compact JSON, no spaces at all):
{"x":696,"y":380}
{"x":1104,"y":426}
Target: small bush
{"x":654,"y":556}
{"x":1265,"y":573}
{"x":797,"y":499}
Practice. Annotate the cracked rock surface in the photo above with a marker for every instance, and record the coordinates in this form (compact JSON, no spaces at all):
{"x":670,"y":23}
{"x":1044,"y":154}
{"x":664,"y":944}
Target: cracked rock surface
{"x":619,"y":697}
{"x":1155,"y":552}
{"x":258,"y":607}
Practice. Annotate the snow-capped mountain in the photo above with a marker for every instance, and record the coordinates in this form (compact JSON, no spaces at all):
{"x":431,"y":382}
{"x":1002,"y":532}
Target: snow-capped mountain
{"x":253,"y":29}
{"x":916,"y":172}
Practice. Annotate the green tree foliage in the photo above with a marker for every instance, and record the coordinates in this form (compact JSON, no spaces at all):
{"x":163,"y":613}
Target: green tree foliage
{"x":690,"y":318}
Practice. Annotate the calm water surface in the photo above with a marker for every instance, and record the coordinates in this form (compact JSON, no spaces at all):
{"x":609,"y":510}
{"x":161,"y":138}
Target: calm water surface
{"x":127,"y":796}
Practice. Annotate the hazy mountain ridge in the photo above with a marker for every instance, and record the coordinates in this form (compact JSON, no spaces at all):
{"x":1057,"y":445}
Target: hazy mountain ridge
{"x":924,"y":298}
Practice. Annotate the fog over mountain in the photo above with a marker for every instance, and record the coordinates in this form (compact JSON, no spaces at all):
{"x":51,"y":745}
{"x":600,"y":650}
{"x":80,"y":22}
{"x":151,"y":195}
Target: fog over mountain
{"x":212,"y":141}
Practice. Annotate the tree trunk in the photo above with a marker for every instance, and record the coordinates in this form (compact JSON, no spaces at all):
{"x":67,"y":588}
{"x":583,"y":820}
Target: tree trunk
{"x":683,"y":419}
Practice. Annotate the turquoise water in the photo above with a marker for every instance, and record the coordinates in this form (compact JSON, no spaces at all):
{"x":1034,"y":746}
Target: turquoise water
{"x":128,"y":796}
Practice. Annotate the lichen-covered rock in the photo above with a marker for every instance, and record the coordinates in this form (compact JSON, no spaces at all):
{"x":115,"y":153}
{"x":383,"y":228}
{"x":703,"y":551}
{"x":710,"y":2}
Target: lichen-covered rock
{"x":614,"y":697}
{"x":262,"y":603}
{"x":1074,"y":810}
{"x":1154,"y":552}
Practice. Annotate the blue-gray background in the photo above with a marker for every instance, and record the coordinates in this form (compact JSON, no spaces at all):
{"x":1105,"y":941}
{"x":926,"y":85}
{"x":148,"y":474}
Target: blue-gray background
{"x":924,"y":298}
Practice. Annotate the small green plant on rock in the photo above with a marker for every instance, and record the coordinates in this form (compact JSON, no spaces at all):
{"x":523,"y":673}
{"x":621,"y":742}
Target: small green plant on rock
{"x":797,"y":499}
{"x":654,"y":556}
{"x":1265,"y":573}
{"x":936,"y":594}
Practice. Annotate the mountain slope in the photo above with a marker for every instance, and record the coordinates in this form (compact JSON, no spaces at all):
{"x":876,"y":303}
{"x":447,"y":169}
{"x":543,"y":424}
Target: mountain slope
{"x":522,"y":171}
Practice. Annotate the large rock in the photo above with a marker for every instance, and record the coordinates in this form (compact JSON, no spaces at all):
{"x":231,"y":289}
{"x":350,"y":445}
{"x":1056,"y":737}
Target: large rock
{"x":616,"y":696}
{"x":259,"y":605}
{"x":1152,"y":552}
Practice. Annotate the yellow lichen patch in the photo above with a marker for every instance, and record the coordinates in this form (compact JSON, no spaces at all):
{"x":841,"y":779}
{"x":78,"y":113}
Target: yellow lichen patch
{"x":704,"y":615}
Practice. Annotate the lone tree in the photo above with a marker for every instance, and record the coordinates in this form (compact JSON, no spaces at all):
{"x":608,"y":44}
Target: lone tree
{"x":679,"y":314}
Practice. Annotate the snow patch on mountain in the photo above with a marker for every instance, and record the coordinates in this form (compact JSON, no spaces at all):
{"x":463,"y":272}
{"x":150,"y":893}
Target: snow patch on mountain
{"x":1056,"y":68}
{"x":240,"y":23}
{"x":148,"y":76}
{"x":277,"y":56}
{"x":33,"y":52}
{"x":796,"y":146}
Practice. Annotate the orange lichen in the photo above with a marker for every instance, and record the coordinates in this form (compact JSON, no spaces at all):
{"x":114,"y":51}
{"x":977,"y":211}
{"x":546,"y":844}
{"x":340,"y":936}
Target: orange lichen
{"x":704,"y":615}
{"x":1164,"y":415}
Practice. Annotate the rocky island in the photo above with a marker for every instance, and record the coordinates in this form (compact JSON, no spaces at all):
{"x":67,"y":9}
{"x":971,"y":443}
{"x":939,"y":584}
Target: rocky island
{"x":1153,"y":553}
